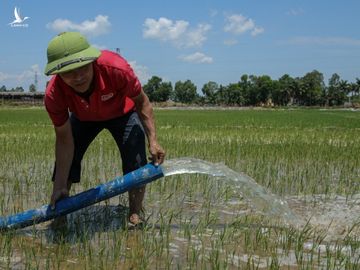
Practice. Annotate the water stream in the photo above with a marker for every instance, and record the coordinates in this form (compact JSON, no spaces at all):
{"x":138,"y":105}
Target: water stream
{"x":257,"y":196}
{"x":336,"y":215}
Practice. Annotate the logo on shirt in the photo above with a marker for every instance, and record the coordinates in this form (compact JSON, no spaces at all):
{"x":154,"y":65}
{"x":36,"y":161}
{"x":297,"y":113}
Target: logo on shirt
{"x":107,"y":96}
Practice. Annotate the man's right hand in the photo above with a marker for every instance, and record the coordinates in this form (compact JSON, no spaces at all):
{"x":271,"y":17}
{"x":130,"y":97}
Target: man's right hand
{"x":64,"y":151}
{"x":57,"y":195}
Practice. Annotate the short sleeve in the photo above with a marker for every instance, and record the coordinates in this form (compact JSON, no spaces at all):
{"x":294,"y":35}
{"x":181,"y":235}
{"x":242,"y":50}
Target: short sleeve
{"x":56,"y":106}
{"x":128,"y":82}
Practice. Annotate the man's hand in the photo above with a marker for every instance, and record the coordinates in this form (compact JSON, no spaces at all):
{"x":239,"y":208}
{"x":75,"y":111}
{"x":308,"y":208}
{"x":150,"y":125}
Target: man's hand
{"x":145,"y":111}
{"x":64,"y":151}
{"x":157,"y":153}
{"x":57,"y":195}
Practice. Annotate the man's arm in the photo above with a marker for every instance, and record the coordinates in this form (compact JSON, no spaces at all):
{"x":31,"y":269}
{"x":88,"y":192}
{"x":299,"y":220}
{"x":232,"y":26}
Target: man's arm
{"x":145,"y":111}
{"x":64,"y":152}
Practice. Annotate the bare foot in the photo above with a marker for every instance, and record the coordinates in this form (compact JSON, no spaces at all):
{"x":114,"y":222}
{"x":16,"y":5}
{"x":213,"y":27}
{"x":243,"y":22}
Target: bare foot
{"x":135,"y":221}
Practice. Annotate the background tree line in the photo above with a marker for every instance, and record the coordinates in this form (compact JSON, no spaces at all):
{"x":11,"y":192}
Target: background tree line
{"x":251,"y":90}
{"x":32,"y":89}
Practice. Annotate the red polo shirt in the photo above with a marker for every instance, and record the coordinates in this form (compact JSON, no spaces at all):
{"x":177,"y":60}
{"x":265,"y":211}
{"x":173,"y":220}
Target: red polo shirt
{"x":114,"y":86}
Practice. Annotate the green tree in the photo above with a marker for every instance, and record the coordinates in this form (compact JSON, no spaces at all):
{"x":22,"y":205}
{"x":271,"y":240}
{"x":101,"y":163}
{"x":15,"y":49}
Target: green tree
{"x":357,"y":89}
{"x":185,"y":92}
{"x":252,"y":94}
{"x":164,"y":92}
{"x":337,"y":91}
{"x":233,"y":95}
{"x":266,"y":87}
{"x":152,"y":86}
{"x":260,"y":90}
{"x":332,"y":89}
{"x":245,"y":86}
{"x":17,"y":89}
{"x":157,"y":90}
{"x":32,"y":88}
{"x":354,"y":90}
{"x":3,"y":88}
{"x":284,"y":94}
{"x":210,"y":91}
{"x":343,"y":92}
{"x":311,"y":89}
{"x":220,"y":97}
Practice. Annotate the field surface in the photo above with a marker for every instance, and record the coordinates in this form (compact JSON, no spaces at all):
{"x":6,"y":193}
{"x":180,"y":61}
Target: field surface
{"x":305,"y":161}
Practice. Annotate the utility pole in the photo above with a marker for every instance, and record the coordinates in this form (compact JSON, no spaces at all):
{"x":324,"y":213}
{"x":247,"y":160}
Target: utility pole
{"x":36,"y":81}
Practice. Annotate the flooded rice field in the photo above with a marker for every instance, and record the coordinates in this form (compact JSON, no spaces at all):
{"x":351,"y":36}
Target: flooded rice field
{"x":242,"y":190}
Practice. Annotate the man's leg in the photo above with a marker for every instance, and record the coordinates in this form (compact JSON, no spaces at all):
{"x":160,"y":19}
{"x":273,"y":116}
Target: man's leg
{"x":129,"y":135}
{"x":83,"y":134}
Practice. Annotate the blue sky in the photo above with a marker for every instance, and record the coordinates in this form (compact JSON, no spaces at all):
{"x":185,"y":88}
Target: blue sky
{"x":197,"y":40}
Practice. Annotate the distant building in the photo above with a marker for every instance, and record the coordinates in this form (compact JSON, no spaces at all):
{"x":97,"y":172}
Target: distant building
{"x":22,"y":97}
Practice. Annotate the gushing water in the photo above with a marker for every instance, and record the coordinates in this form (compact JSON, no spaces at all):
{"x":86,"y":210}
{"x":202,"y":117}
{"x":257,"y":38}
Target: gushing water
{"x":339,"y":216}
{"x":256,"y":195}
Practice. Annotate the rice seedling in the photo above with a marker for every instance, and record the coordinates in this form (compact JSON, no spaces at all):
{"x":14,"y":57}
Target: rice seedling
{"x":308,"y":158}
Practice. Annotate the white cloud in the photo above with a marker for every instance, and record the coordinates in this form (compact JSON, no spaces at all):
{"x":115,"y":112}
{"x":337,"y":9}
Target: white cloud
{"x":28,"y":74}
{"x":238,"y":24}
{"x":99,"y":26}
{"x":176,"y":32}
{"x":196,"y":37}
{"x":256,"y":31}
{"x":164,"y":29}
{"x":140,"y":71}
{"x":197,"y":58}
{"x":332,"y":41}
{"x":25,"y":78}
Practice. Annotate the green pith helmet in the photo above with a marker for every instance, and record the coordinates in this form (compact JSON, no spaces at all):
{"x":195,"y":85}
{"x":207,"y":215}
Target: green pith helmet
{"x":68,"y":51}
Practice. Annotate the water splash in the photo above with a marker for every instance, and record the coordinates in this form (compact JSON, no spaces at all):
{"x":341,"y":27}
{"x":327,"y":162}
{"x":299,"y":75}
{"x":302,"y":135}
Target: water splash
{"x":256,"y":195}
{"x":336,"y":215}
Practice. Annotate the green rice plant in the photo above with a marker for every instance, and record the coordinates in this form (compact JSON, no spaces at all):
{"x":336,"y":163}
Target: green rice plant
{"x":194,"y":221}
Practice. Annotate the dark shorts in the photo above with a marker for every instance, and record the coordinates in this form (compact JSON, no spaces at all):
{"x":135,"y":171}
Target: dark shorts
{"x":126,"y":130}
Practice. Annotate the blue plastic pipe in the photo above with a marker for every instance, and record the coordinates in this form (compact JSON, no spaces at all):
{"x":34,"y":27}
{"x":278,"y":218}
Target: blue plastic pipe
{"x":119,"y":185}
